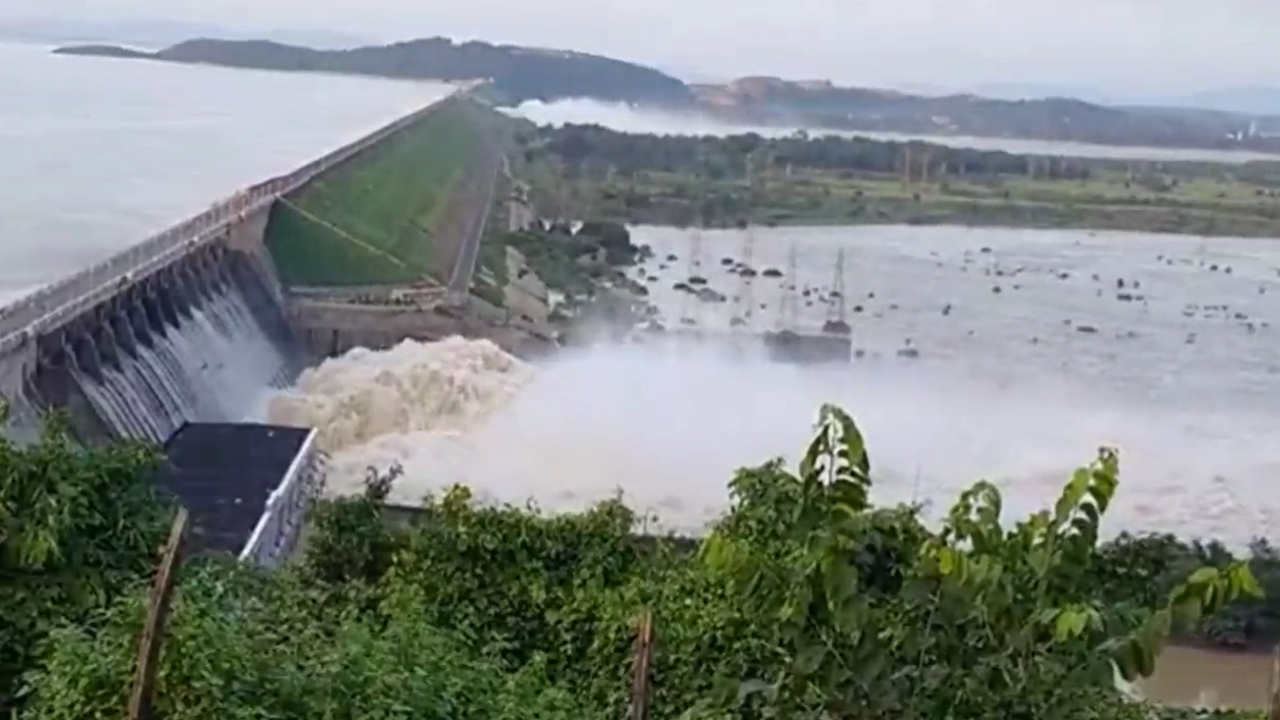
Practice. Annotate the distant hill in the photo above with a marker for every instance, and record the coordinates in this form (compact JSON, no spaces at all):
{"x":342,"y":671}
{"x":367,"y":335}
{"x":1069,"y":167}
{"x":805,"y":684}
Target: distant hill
{"x":159,"y":33}
{"x":518,"y":73}
{"x":1040,"y":91}
{"x":821,"y":104}
{"x":114,"y":51}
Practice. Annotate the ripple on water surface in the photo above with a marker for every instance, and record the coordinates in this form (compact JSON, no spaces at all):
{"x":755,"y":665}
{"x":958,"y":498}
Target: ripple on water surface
{"x":1174,"y":368}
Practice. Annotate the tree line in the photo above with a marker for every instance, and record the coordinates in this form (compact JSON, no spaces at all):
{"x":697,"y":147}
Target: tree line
{"x":593,"y":148}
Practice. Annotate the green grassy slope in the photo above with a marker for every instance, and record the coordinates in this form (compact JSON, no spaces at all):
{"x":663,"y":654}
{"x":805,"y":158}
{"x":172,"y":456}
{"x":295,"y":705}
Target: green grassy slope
{"x":307,"y":253}
{"x":371,"y":221}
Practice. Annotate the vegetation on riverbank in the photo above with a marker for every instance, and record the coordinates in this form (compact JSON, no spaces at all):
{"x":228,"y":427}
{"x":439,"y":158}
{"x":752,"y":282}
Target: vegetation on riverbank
{"x":804,"y":601}
{"x":574,"y":263}
{"x":379,"y":218}
{"x":571,"y":260}
{"x":589,"y":171}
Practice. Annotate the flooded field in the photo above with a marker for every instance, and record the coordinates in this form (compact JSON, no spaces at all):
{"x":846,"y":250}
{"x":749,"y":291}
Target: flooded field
{"x":1209,"y":678}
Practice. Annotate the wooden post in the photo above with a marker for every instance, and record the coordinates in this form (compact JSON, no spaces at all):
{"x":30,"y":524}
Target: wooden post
{"x":640,"y":668}
{"x":157,"y":613}
{"x":1273,"y":686}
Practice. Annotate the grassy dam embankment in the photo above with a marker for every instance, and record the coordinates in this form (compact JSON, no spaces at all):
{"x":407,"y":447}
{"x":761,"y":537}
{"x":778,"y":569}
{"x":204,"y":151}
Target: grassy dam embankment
{"x":391,"y":215}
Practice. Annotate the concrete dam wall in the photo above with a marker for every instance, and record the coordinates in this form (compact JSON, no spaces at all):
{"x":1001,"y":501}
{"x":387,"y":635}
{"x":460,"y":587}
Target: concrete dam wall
{"x":199,"y":339}
{"x":188,"y":325}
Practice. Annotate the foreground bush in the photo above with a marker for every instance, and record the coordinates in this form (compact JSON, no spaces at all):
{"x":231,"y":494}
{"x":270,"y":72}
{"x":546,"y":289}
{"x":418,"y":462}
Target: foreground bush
{"x":805,"y":601}
{"x":77,"y":527}
{"x":242,"y":644}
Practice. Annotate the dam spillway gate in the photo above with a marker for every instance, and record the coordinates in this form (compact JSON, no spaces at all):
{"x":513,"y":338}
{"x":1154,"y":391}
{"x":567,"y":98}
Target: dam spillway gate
{"x":201,"y":338}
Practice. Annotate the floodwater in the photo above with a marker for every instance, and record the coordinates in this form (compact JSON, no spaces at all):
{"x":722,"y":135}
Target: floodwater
{"x":1206,"y":678}
{"x":626,"y":119}
{"x":99,"y":153}
{"x":1034,"y":348}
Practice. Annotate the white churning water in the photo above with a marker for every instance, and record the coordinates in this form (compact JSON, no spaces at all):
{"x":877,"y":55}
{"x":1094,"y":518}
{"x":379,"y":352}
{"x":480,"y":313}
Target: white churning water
{"x":1021,"y":400}
{"x":216,"y":366}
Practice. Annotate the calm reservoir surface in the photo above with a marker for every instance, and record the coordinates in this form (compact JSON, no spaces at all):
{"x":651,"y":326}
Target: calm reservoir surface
{"x":99,"y":153}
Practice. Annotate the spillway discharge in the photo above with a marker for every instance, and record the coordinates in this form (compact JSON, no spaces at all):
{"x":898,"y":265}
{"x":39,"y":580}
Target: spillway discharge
{"x":213,"y":358}
{"x":415,"y":390}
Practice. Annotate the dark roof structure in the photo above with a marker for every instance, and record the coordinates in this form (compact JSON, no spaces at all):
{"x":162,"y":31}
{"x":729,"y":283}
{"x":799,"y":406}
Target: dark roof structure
{"x":223,"y":474}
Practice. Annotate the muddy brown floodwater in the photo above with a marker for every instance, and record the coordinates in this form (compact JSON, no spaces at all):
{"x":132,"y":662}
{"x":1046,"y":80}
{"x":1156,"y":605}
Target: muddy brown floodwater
{"x":1213,"y":678}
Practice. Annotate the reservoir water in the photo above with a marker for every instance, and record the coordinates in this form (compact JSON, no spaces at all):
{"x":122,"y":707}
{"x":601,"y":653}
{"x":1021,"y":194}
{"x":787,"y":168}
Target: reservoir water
{"x":99,"y":153}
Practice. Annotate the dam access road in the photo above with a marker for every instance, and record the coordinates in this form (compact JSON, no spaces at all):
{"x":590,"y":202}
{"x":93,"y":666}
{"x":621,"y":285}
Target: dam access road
{"x":193,"y":324}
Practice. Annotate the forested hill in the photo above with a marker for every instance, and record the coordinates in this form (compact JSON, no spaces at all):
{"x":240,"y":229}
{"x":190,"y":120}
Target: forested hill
{"x":518,"y":73}
{"x":770,"y":101}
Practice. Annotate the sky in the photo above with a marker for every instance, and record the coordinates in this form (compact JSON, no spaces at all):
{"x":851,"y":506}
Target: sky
{"x":1115,"y":46}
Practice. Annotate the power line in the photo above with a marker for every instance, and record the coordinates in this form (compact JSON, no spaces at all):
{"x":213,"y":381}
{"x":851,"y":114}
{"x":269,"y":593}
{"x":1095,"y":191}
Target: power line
{"x":690,"y":305}
{"x":746,"y":281}
{"x":838,"y":324}
{"x":789,"y":307}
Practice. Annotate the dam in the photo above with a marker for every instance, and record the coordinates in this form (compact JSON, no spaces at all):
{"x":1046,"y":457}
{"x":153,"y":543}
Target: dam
{"x":191,"y":324}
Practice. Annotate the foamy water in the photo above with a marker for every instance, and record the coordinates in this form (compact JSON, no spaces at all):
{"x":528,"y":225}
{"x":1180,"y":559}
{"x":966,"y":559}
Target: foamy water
{"x":1196,"y":423}
{"x":667,"y":428}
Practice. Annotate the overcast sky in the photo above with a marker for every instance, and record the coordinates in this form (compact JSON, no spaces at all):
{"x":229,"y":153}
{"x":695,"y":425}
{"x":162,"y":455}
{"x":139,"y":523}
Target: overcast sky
{"x":1121,"y":46}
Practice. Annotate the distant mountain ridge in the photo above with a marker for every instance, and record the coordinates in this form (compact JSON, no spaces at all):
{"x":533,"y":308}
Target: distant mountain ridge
{"x":519,"y":74}
{"x":1259,"y":100}
{"x":822,"y":104}
{"x":160,"y":33}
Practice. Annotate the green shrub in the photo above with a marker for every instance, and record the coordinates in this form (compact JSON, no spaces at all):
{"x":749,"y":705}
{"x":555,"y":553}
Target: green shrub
{"x":77,"y":527}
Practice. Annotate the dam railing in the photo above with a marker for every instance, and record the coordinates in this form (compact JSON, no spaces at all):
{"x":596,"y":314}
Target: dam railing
{"x":279,"y":527}
{"x":53,"y":303}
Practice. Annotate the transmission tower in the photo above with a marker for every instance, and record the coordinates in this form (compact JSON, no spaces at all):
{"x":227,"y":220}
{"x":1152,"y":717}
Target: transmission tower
{"x":838,"y":324}
{"x":789,"y":306}
{"x":691,"y":304}
{"x":746,"y":281}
